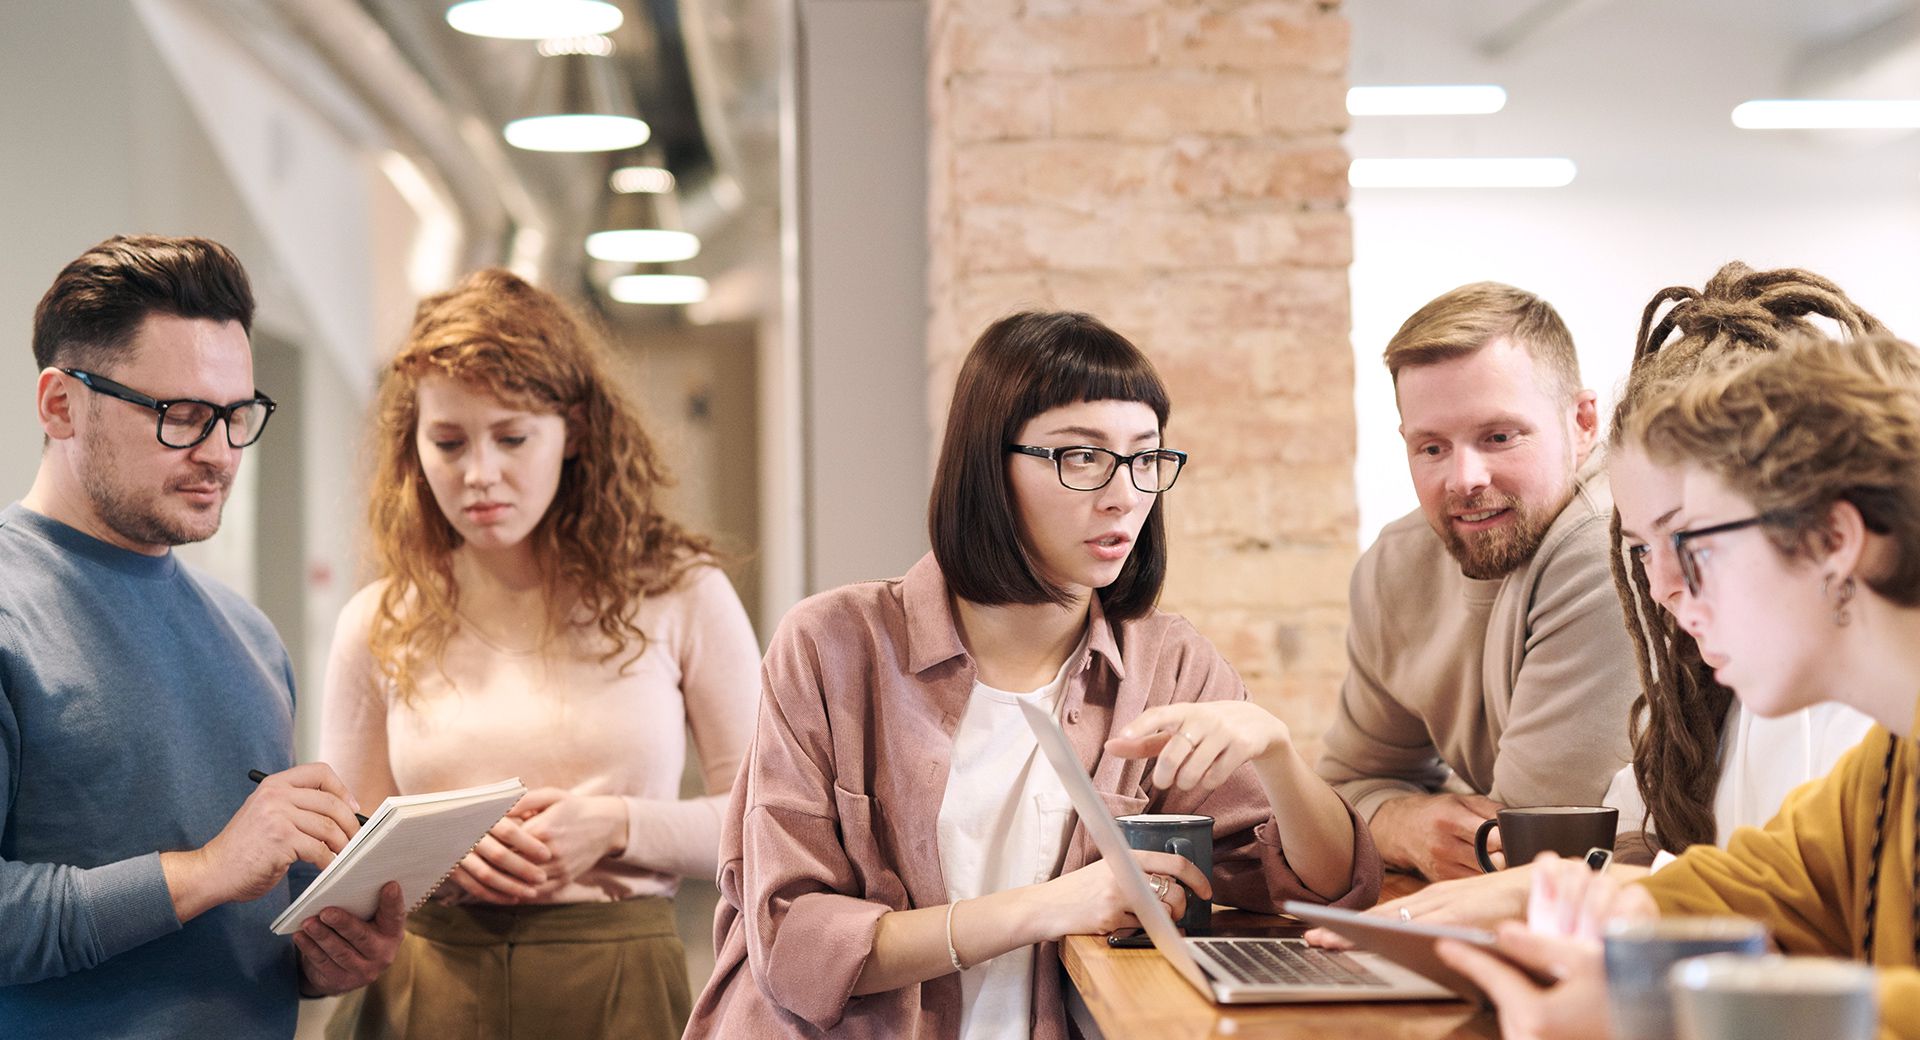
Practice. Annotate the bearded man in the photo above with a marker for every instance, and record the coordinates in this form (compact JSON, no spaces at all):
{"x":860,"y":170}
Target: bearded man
{"x":1488,"y":661}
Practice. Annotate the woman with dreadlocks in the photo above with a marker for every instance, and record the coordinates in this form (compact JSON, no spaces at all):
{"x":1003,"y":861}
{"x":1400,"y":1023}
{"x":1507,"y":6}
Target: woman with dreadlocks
{"x":1702,"y":766}
{"x":1798,"y":543}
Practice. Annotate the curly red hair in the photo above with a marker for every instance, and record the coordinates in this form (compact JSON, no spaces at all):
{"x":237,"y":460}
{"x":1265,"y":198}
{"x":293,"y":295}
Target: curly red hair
{"x":601,"y":541}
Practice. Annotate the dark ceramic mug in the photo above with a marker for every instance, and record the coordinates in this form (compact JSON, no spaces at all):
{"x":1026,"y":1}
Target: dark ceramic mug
{"x":1184,"y":835}
{"x":1527,"y":831}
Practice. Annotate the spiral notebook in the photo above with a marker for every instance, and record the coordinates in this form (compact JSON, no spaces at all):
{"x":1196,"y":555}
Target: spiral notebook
{"x":415,"y":839}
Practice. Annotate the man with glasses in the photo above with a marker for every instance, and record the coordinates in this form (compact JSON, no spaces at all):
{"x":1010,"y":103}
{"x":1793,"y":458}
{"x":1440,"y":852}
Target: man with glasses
{"x":140,"y":868}
{"x":1488,"y":662}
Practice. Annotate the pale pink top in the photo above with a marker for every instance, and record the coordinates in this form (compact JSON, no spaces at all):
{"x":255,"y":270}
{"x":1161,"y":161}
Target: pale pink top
{"x":570,"y":720}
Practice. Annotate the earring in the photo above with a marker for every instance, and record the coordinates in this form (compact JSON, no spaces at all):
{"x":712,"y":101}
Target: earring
{"x":1840,"y":600}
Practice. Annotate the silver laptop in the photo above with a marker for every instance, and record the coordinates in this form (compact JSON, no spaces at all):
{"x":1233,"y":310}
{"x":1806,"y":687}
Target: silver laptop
{"x":1226,"y":970}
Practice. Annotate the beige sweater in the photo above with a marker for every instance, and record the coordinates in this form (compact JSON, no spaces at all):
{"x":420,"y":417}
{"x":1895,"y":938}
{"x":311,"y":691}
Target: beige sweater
{"x":1517,"y":688}
{"x":578,"y":723}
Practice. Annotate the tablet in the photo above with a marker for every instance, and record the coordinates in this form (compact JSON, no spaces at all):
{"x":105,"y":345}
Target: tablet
{"x":1410,"y":944}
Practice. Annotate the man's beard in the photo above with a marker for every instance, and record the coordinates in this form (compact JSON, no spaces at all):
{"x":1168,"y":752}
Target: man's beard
{"x":136,"y":519}
{"x":1500,"y":551}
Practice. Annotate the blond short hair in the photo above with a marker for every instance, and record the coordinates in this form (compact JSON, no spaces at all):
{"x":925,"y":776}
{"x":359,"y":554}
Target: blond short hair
{"x":1461,"y":322}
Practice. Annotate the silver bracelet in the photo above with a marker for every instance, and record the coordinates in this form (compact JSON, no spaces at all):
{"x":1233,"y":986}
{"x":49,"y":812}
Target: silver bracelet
{"x":953,"y":954}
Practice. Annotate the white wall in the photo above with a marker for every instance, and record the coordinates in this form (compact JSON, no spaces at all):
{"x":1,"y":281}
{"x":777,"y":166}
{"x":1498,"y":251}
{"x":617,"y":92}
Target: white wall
{"x":63,"y":157}
{"x":1638,"y":94}
{"x":98,"y":137}
{"x":863,"y":246}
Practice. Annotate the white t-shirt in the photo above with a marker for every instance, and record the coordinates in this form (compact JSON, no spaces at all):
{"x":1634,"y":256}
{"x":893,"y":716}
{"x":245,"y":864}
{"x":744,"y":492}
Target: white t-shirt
{"x":1760,"y":762}
{"x":1003,"y":824}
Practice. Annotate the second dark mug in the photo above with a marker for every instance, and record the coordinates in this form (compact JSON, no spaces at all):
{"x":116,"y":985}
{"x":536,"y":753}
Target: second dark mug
{"x":1183,"y":835}
{"x":1527,"y":831}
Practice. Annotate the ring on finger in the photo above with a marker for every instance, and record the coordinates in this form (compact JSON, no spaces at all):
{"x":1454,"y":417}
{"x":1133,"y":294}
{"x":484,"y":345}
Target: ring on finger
{"x":1161,"y":883}
{"x":1406,"y":914}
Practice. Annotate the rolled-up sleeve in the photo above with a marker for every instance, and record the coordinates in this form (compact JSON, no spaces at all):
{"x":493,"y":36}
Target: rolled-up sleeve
{"x":1250,"y":868}
{"x":811,"y":891}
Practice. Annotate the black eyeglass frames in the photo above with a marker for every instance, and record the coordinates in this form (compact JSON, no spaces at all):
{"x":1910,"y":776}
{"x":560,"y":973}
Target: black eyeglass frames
{"x":1691,"y":556}
{"x":186,"y":421}
{"x":1083,"y":467}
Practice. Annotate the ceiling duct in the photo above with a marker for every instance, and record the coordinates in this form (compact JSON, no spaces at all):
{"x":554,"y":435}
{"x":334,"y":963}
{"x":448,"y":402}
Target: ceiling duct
{"x":501,"y":216}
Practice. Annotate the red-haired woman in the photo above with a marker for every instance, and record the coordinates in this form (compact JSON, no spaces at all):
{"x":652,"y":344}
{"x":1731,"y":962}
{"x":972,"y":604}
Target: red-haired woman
{"x":535,"y":615}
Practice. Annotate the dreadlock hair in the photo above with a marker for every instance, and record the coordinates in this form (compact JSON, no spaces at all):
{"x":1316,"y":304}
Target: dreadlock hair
{"x":1679,"y":717}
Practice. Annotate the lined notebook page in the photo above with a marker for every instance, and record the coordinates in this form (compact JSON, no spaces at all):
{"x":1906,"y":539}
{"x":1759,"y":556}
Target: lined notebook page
{"x":416,"y":840}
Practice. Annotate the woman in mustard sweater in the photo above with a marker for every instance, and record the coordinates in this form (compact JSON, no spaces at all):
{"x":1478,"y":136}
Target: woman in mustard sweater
{"x":1799,"y":542}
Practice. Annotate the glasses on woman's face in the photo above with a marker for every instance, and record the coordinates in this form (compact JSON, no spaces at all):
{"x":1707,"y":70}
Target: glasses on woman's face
{"x":1693,"y":557}
{"x":186,"y":421}
{"x":1083,"y":467}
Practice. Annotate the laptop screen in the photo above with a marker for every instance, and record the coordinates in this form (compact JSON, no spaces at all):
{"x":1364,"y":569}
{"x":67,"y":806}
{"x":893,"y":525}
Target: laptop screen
{"x":1113,"y":846}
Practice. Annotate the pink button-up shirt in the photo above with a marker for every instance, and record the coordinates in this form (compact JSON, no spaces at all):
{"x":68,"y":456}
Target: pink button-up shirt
{"x":831,"y":822}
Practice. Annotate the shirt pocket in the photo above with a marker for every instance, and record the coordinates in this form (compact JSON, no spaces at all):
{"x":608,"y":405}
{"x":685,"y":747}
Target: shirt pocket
{"x":1052,"y":811}
{"x":861,"y":841}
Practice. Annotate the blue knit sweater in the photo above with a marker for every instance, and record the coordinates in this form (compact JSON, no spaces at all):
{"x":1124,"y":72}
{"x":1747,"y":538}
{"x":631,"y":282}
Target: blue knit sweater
{"x":137,"y":694}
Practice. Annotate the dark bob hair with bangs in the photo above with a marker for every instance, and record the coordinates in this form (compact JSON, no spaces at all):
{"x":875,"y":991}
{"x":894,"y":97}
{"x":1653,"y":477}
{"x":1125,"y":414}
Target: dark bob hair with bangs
{"x":1022,"y":365}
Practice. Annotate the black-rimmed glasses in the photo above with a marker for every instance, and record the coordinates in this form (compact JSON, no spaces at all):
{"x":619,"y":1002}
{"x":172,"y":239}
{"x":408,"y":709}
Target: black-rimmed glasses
{"x":1691,"y":557}
{"x":186,"y":421}
{"x":1083,"y":467}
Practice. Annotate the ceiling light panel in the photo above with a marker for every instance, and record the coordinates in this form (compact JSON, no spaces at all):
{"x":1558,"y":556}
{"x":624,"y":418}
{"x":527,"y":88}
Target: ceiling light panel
{"x":1807,"y":114}
{"x":1465,"y":99}
{"x":1461,"y":173}
{"x":577,"y":133}
{"x":534,"y":19}
{"x":641,"y":180}
{"x":658,"y":288}
{"x":643,"y":245}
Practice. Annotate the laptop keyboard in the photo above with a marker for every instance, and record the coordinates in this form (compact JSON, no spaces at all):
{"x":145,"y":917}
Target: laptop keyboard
{"x":1289,"y":962}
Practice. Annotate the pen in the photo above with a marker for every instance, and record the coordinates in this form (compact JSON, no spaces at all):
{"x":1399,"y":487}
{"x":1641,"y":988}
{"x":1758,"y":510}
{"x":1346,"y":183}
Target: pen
{"x":256,"y":776}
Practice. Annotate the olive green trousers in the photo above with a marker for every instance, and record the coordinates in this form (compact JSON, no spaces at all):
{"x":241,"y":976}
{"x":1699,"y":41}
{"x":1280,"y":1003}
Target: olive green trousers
{"x":580,"y":970}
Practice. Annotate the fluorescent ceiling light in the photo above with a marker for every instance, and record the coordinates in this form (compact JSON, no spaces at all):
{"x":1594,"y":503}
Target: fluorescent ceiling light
{"x":598,"y":46}
{"x":1460,"y":173}
{"x":658,"y":288}
{"x":577,"y":133}
{"x":534,"y":19}
{"x":643,"y":245}
{"x":1886,"y":114}
{"x":1441,"y":100}
{"x":641,"y":180}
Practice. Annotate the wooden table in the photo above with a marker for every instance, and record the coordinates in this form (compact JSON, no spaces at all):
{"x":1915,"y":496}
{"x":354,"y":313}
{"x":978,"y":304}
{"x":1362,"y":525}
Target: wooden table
{"x":1121,"y":994}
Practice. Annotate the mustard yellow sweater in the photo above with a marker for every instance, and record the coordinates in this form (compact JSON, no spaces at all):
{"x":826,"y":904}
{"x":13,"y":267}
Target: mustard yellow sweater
{"x":1805,"y":874}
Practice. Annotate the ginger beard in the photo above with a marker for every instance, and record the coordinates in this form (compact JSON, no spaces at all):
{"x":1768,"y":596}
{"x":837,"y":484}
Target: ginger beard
{"x":1499,"y":550}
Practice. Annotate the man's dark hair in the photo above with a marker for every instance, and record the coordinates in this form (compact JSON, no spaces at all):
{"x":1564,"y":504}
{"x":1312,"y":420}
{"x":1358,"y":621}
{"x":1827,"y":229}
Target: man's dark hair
{"x":89,"y":316}
{"x":1022,"y":365}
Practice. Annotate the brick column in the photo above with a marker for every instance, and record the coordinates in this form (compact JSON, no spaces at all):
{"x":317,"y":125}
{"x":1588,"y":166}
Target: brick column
{"x":1174,"y":167}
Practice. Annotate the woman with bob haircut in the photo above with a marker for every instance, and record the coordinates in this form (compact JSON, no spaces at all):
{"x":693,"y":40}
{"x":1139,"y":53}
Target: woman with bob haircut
{"x":1798,"y":543}
{"x":535,"y":615}
{"x":898,"y":859}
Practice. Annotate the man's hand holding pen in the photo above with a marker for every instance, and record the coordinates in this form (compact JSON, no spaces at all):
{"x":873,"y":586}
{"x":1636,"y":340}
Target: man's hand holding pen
{"x":304,"y":813}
